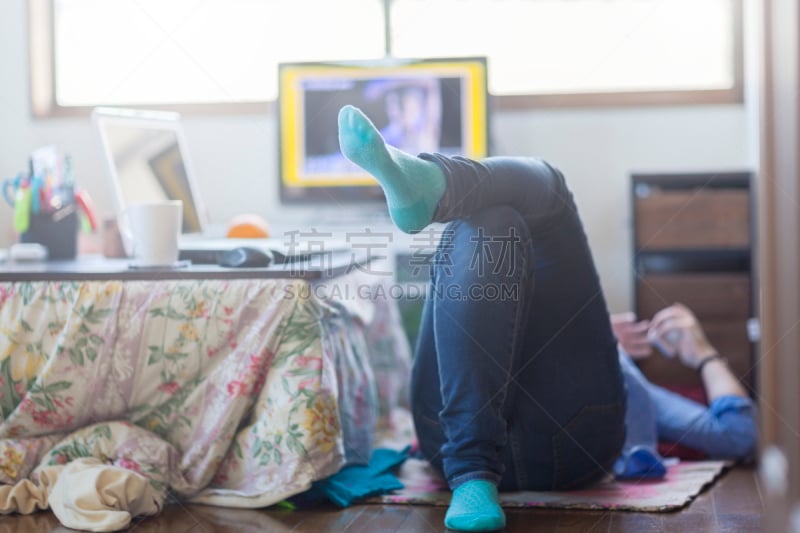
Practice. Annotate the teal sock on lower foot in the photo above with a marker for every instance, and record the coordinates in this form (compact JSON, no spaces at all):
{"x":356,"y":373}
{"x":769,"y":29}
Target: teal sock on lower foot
{"x":475,"y":507}
{"x":413,"y":186}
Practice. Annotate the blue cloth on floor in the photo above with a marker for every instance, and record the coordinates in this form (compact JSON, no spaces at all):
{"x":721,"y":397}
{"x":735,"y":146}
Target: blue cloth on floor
{"x":639,"y":463}
{"x":354,"y":482}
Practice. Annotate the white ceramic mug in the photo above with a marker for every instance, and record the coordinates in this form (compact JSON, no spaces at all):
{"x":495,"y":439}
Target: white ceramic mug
{"x":152,"y":230}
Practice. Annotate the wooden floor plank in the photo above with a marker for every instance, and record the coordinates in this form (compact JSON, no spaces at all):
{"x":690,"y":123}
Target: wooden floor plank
{"x":381,"y":518}
{"x":584,"y":522}
{"x":690,"y":522}
{"x":43,"y":521}
{"x":739,"y":523}
{"x":736,"y":493}
{"x":733,"y":504}
{"x":642,"y":522}
{"x":535,"y":521}
{"x":424,"y":519}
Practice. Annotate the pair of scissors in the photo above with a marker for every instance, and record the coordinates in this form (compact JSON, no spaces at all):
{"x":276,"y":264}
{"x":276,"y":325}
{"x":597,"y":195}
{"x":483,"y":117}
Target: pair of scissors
{"x":10,"y":187}
{"x":22,"y":206}
{"x":21,"y":200}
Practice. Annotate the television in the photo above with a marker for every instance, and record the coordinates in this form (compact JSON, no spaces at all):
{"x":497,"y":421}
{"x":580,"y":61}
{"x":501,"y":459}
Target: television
{"x":419,"y":105}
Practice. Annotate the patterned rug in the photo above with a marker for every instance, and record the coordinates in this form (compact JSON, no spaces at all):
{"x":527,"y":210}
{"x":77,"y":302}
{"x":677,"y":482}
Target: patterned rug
{"x":684,"y":481}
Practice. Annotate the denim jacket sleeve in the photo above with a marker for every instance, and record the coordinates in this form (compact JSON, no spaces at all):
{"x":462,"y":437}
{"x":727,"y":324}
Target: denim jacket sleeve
{"x":726,"y":429}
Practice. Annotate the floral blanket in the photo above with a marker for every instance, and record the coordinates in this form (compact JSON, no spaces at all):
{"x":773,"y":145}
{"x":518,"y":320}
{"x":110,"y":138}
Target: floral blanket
{"x":236,"y":393}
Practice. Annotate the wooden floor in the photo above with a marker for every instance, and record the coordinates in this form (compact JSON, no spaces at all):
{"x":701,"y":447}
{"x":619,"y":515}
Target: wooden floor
{"x":733,"y":504}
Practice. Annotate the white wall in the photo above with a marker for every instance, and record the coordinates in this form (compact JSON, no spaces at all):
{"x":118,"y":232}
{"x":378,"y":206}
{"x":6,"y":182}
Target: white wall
{"x":234,"y":156}
{"x":598,"y":149}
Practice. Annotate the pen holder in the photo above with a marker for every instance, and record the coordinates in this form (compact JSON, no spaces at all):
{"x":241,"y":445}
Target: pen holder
{"x":56,"y":231}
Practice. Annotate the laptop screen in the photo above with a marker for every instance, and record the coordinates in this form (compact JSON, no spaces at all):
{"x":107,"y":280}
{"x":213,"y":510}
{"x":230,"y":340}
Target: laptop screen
{"x":147,"y":161}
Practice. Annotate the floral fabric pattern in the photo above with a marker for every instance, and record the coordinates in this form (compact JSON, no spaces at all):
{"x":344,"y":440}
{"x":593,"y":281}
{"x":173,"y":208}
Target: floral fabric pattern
{"x":228,"y":392}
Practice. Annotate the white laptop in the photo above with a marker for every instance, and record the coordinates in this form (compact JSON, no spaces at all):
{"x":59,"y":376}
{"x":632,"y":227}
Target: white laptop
{"x":148,"y":161}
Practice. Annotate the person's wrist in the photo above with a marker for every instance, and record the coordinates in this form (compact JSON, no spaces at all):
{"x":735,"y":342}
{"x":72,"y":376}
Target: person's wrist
{"x":704,"y":361}
{"x":703,"y":351}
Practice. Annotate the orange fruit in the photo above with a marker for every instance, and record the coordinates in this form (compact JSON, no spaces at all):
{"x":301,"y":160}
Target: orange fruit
{"x":248,"y":226}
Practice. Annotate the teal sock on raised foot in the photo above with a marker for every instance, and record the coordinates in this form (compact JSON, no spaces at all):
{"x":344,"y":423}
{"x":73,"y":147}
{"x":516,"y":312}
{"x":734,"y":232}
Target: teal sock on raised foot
{"x":475,"y":507}
{"x":413,"y":186}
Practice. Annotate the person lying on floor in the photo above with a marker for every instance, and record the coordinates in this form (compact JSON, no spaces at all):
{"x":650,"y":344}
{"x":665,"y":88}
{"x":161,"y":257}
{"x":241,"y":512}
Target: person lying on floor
{"x":516,"y":383}
{"x":725,"y":429}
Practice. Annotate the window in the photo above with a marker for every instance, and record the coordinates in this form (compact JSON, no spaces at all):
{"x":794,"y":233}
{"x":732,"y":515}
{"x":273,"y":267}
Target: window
{"x":223,"y":53}
{"x":154,"y":52}
{"x":563,"y":47}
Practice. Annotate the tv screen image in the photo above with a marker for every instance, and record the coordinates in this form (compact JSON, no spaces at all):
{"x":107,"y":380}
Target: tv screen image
{"x":430,"y":105}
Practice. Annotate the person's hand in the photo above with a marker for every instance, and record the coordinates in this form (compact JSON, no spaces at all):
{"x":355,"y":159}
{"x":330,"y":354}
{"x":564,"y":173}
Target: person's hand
{"x":678,"y":331}
{"x":632,"y":335}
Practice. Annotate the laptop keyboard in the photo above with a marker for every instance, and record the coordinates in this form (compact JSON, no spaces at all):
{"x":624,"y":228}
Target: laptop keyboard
{"x":202,"y":251}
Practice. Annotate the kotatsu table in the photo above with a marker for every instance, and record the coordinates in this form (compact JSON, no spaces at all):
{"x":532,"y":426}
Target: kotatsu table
{"x":223,"y":387}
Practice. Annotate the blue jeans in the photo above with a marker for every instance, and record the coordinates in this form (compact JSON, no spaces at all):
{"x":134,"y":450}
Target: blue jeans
{"x":726,"y":429}
{"x":516,"y":377}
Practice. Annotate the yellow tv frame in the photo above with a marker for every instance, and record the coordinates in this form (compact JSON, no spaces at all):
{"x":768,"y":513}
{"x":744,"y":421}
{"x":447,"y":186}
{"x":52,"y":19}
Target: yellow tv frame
{"x":299,"y":186}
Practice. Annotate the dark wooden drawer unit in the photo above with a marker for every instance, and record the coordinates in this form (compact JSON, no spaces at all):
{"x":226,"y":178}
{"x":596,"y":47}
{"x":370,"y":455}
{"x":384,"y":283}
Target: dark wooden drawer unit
{"x":695,"y":219}
{"x":711,"y":295}
{"x":692,"y":244}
